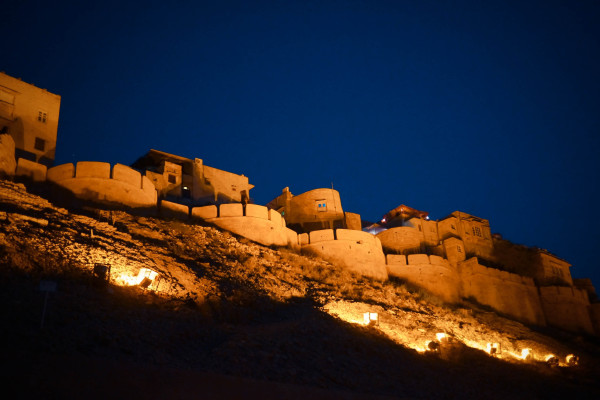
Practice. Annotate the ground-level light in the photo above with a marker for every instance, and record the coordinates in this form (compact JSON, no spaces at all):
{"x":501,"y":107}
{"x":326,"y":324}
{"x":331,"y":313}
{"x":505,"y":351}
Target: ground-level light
{"x":371,"y":318}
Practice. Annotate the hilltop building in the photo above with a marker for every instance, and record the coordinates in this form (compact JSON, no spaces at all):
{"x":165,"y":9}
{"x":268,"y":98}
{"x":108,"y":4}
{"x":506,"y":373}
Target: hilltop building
{"x":314,"y":210}
{"x":471,"y":236}
{"x":30,"y":116}
{"x":190,"y":181}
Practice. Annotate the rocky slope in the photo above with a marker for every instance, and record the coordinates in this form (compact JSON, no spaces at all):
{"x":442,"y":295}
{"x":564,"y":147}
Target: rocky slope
{"x":228,"y":318}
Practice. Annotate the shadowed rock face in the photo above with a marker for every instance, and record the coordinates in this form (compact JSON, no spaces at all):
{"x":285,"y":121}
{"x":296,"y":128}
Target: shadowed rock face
{"x":231,"y":312}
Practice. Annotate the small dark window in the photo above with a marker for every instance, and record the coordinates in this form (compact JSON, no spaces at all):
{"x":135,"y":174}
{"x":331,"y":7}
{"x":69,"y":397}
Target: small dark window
{"x":40,"y":144}
{"x":42,"y":116}
{"x":476,"y":231}
{"x":459,"y":249}
{"x":172,"y":178}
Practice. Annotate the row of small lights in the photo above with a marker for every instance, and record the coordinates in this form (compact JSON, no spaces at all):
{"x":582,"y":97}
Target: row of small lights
{"x":493,"y":349}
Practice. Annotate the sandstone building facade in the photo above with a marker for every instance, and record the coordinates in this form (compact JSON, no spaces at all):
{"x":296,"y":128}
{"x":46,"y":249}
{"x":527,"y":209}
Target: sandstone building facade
{"x":190,"y":181}
{"x":30,"y":116}
{"x":314,"y":210}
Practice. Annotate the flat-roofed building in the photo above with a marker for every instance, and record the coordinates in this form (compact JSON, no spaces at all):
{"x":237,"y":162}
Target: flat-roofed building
{"x":30,"y":115}
{"x":190,"y":181}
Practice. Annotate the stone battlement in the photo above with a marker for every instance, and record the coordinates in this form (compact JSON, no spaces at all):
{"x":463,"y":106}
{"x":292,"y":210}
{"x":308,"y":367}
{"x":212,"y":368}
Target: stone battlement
{"x":254,"y":222}
{"x":98,"y":182}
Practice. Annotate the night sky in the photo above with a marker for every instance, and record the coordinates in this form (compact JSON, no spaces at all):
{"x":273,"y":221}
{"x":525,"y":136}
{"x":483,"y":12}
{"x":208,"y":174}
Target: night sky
{"x":491,"y":108}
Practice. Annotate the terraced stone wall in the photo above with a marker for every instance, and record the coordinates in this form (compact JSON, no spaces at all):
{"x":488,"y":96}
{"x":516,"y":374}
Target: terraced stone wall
{"x":567,"y":308}
{"x":357,"y":251}
{"x":254,"y":222}
{"x":97,"y":182}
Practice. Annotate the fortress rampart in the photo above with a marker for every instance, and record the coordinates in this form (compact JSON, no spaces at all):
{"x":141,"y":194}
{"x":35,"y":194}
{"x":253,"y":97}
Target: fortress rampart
{"x":567,"y":308}
{"x":99,"y":183}
{"x":357,"y":251}
{"x":507,"y":293}
{"x":254,"y":222}
{"x":432,"y":273}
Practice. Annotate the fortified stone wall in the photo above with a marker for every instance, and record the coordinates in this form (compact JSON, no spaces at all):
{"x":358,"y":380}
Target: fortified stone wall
{"x":119,"y":186}
{"x":357,"y":251}
{"x":31,"y":170}
{"x":254,"y":222}
{"x":567,"y":308}
{"x":432,"y":273}
{"x":507,"y":293}
{"x":401,"y":239}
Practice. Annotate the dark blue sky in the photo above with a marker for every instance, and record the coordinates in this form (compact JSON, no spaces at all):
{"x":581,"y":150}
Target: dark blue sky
{"x":491,"y":108}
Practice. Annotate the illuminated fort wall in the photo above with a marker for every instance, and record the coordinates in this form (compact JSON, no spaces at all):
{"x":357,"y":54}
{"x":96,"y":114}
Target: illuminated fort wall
{"x":510,"y":294}
{"x":97,"y":182}
{"x":30,"y":115}
{"x":253,"y":222}
{"x":433,"y":273}
{"x":356,"y":251}
{"x":313,"y":210}
{"x":567,"y":308}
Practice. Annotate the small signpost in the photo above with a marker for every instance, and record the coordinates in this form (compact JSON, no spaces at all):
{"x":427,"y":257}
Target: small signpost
{"x":46,"y":286}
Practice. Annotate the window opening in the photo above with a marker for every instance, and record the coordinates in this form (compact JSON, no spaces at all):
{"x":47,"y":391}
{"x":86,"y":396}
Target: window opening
{"x":321,"y":205}
{"x":40,"y":144}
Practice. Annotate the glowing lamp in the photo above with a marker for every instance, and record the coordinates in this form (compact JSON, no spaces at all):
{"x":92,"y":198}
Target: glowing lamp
{"x":432,"y":346}
{"x":493,"y":349}
{"x":552,"y":360}
{"x":526,"y":354}
{"x":572,"y":360}
{"x":371,"y":318}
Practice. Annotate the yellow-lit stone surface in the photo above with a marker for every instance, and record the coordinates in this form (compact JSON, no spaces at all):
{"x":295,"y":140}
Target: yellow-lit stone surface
{"x":32,"y":170}
{"x":30,"y":115}
{"x":205,"y":212}
{"x":231,"y":210}
{"x":7,"y":155}
{"x":256,"y":211}
{"x":92,"y":181}
{"x":357,"y":251}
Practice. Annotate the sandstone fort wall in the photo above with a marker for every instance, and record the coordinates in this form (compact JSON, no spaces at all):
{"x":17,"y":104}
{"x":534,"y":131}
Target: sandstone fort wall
{"x":567,"y":308}
{"x":432,"y":273}
{"x":507,"y":293}
{"x":31,"y":170}
{"x":98,"y":182}
{"x":356,"y":251}
{"x":254,"y":222}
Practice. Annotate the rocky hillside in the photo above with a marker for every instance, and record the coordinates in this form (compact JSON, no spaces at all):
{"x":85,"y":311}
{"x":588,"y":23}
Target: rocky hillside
{"x":227,"y":318}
